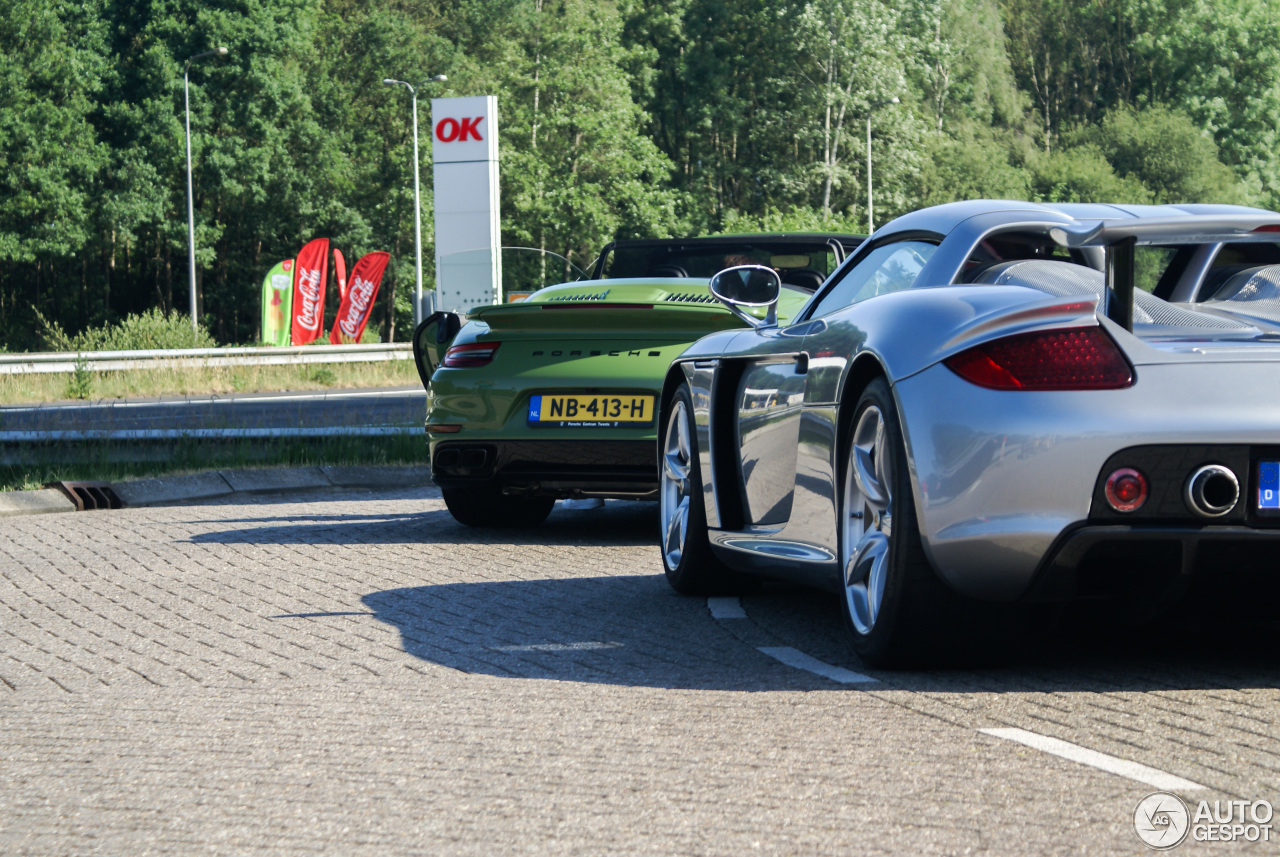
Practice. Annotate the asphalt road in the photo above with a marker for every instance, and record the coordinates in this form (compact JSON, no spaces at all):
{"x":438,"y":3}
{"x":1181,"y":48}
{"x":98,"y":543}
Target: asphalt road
{"x":355,"y":673}
{"x":396,"y":406}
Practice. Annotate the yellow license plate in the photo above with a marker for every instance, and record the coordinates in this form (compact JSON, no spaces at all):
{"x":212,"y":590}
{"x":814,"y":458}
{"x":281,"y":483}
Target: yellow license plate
{"x":604,"y":411}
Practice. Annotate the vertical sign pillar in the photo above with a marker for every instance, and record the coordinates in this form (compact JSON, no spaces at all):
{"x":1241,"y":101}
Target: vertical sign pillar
{"x":464,"y":148}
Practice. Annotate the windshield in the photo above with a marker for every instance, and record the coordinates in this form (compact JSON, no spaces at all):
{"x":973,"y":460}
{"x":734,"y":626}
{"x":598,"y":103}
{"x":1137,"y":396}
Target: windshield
{"x":800,"y":263}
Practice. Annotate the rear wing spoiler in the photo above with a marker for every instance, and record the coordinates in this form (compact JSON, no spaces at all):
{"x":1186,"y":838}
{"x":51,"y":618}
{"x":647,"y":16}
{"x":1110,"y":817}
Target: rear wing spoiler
{"x":1119,"y":237}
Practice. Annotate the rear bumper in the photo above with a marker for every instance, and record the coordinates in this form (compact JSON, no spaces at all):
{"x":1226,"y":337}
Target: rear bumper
{"x":1158,"y":563}
{"x":558,"y":468}
{"x":1002,"y":478}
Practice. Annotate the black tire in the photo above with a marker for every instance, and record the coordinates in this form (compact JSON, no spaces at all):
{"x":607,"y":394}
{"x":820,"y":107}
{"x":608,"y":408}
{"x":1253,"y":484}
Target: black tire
{"x":690,"y":565}
{"x":917,"y":619}
{"x":489,"y":507}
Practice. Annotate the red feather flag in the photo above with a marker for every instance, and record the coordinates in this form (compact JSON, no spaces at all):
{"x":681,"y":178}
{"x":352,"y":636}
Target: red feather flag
{"x":340,"y":268}
{"x":310,"y":278}
{"x":362,"y":289}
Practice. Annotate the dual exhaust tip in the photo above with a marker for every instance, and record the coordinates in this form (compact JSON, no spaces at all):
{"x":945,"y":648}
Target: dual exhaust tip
{"x":1211,"y":491}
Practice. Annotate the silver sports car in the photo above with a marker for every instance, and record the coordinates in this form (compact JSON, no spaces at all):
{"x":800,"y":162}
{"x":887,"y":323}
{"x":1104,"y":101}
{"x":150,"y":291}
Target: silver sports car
{"x":990,"y":402}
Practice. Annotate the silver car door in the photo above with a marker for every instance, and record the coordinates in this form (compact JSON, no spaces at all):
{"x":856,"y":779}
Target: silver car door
{"x":831,"y":340}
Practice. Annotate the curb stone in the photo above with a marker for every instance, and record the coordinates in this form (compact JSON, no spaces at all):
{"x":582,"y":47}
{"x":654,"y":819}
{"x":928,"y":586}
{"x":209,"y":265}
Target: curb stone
{"x":39,"y":502}
{"x":275,"y":479}
{"x":171,"y":490}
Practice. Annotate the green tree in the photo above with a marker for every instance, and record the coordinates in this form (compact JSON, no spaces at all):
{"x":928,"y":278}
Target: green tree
{"x":576,"y":171}
{"x":1165,"y":151}
{"x":852,"y":45}
{"x":50,"y":154}
{"x":49,"y":150}
{"x":969,"y":163}
{"x":1081,"y":174}
{"x":960,"y":65}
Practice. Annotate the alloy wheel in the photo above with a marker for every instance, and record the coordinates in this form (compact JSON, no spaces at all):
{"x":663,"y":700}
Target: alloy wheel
{"x":677,"y":465}
{"x":868,"y":519}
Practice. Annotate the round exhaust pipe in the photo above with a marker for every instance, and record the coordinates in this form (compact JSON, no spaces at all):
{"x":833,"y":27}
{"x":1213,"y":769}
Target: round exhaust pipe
{"x":1212,"y":491}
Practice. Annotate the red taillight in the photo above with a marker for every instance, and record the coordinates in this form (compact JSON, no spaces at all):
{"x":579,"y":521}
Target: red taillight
{"x":470,"y":356}
{"x":1126,"y":489}
{"x":1076,"y":358}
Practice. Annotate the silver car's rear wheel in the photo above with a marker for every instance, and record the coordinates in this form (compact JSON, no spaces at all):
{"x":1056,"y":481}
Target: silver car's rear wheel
{"x":898,"y":611}
{"x":868,"y":519}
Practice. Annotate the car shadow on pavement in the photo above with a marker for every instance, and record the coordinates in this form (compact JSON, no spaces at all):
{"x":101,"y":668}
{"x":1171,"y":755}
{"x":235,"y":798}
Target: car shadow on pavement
{"x":574,"y":624}
{"x":620,"y":523}
{"x":624,"y":630}
{"x":634,"y":630}
{"x":1090,"y":648}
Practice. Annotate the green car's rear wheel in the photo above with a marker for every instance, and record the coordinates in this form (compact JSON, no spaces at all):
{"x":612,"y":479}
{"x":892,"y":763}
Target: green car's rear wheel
{"x":489,"y":507}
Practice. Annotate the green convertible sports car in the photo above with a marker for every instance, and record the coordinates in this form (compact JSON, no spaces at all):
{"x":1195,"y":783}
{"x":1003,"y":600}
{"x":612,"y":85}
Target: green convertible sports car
{"x":554,"y":396}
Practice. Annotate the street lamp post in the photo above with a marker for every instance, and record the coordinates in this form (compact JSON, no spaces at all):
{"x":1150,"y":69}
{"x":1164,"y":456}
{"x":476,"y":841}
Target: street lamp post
{"x":191,"y":207}
{"x":871,"y":226}
{"x":417,"y":199}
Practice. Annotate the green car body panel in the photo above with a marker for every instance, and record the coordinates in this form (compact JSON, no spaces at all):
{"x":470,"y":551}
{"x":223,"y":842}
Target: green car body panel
{"x":626,"y":349}
{"x":592,"y":337}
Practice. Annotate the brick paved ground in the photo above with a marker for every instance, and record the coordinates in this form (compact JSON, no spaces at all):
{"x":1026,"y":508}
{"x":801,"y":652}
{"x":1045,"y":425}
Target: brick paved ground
{"x":357,"y":674}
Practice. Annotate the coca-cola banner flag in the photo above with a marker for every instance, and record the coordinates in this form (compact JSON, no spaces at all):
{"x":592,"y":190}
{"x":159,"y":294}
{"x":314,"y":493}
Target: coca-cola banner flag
{"x":362,"y":288}
{"x":277,"y":297}
{"x":311,"y":275}
{"x":340,"y":268}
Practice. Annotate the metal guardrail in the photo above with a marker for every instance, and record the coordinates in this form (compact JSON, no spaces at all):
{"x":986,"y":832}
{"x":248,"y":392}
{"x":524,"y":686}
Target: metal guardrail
{"x":30,"y":447}
{"x":120,"y":435}
{"x":106,"y":361}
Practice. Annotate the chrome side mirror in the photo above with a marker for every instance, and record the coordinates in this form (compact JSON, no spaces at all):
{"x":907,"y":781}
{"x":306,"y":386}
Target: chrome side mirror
{"x":746,"y":287}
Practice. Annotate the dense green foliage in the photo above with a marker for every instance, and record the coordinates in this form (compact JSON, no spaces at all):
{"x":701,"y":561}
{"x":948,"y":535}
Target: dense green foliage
{"x":146,"y":331}
{"x":618,"y":118}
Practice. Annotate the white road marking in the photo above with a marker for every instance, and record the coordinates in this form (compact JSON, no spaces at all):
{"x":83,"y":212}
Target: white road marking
{"x":559,"y":647}
{"x":798,"y":659}
{"x":726,"y":608}
{"x":1111,"y":764}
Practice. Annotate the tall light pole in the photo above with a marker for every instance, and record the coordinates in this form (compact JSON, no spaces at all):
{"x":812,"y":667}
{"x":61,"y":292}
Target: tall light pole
{"x":191,"y":206}
{"x":871,"y":226}
{"x":417,"y":199}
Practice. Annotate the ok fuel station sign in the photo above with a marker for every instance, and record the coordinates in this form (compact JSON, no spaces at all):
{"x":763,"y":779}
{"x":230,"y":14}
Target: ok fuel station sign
{"x":464,"y":147}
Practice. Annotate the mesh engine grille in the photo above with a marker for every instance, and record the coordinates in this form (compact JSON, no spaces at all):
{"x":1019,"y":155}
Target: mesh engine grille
{"x":1254,"y":292}
{"x":1064,"y":279}
{"x":688,"y":298}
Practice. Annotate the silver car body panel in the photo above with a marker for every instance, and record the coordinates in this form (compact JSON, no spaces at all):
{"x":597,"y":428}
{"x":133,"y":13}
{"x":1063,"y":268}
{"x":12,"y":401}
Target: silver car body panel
{"x":998,"y":476}
{"x":699,"y":378}
{"x":770,"y":399}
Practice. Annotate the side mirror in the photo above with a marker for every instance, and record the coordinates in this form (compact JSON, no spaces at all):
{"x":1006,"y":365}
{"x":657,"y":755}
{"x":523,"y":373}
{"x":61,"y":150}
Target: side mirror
{"x":430,"y":339}
{"x":746,"y":287}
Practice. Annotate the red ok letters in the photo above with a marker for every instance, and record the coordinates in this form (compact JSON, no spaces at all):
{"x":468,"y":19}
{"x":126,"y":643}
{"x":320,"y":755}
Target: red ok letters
{"x":450,"y":129}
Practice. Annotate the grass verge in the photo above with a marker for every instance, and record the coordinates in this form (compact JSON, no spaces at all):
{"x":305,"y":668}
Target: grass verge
{"x":203,"y":380}
{"x":103,"y":462}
